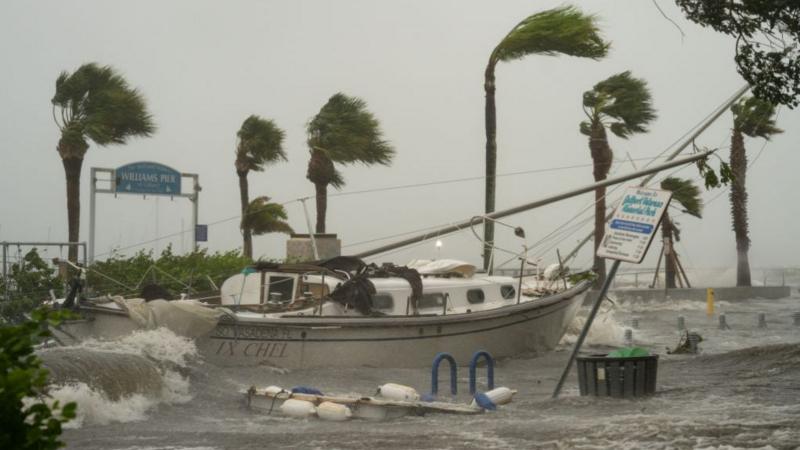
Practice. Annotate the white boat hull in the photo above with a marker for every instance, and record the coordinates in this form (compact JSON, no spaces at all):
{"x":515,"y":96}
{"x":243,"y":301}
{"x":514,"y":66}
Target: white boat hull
{"x":390,"y":341}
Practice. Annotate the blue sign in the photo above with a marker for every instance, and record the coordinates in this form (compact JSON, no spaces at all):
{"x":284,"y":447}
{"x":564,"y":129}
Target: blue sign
{"x":201,"y":233}
{"x":627,"y":225}
{"x":148,"y":178}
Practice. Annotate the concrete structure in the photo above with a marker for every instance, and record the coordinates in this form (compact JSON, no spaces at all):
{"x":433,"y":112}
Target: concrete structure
{"x":727,"y":294}
{"x":299,"y":247}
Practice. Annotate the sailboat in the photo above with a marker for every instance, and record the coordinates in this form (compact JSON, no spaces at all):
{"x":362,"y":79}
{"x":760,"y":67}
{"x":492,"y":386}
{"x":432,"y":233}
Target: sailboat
{"x":343,"y":313}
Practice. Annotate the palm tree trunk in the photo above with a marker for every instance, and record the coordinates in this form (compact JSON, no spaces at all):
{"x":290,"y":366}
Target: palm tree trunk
{"x":739,"y":208}
{"x":322,"y":206}
{"x":72,"y":171}
{"x":491,"y":159}
{"x":669,"y":258}
{"x":244,"y":195}
{"x":601,"y":159}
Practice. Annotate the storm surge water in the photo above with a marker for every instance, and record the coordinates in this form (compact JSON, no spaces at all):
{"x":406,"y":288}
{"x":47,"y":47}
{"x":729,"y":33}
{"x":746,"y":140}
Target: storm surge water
{"x":740,"y":391}
{"x":120,"y":381}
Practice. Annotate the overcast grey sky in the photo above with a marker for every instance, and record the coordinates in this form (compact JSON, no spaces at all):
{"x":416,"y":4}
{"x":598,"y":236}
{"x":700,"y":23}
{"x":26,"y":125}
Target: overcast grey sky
{"x":205,"y":66}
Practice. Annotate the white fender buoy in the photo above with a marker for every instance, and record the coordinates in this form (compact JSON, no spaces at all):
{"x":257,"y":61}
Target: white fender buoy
{"x":272,"y":390}
{"x":498,"y":396}
{"x":333,"y":411}
{"x":298,"y":408}
{"x":398,"y":392}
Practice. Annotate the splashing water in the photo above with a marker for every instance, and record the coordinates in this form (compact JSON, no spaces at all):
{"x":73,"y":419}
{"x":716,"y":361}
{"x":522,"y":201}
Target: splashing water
{"x":120,"y":381}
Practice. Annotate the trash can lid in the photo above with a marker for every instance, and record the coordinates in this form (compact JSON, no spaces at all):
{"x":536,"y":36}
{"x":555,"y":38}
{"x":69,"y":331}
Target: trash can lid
{"x":629,"y":352}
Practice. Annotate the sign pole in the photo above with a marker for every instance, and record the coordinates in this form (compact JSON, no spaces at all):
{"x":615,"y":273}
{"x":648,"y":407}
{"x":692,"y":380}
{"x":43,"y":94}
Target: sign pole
{"x":627,"y":238}
{"x":92,"y":210}
{"x":195,"y":203}
{"x":595,"y":307}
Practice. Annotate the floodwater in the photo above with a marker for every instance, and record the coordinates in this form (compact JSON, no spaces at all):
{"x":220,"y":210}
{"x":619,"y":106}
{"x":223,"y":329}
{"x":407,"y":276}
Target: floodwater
{"x":741,"y":391}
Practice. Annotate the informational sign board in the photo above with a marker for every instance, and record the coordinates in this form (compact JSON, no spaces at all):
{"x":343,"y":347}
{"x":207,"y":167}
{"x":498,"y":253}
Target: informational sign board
{"x":633,"y":225}
{"x":201,"y":233}
{"x":147,"y":178}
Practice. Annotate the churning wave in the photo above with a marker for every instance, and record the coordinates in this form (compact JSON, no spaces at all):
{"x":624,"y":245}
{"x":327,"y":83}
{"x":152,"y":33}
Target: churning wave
{"x":121,"y":380}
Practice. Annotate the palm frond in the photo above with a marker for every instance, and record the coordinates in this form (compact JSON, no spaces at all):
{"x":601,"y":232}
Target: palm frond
{"x":260,"y":143}
{"x":349,"y":133}
{"x":262,"y":217}
{"x":624,"y":99}
{"x":100,"y":103}
{"x":755,"y":117}
{"x":686,"y":193}
{"x":564,"y":30}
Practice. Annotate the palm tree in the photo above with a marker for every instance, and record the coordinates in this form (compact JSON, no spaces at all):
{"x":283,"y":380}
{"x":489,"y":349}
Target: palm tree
{"x":262,"y":217}
{"x":755,"y":118}
{"x":688,"y":196}
{"x":564,"y":30}
{"x":343,"y":132}
{"x":260,"y":142}
{"x":93,"y":103}
{"x":622,"y":104}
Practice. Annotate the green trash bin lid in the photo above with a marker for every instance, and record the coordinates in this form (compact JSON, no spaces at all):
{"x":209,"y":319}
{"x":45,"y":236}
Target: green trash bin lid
{"x":628,"y":352}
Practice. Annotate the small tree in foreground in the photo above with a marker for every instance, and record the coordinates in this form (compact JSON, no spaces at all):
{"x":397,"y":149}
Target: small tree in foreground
{"x":29,"y":422}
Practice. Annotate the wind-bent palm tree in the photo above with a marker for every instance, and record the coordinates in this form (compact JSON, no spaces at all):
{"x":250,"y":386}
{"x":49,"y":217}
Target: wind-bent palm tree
{"x":343,"y":132}
{"x":564,"y":30}
{"x":622,"y":104}
{"x":93,"y":103}
{"x":262,"y":217}
{"x":755,"y":118}
{"x":260,"y":143}
{"x":688,"y":196}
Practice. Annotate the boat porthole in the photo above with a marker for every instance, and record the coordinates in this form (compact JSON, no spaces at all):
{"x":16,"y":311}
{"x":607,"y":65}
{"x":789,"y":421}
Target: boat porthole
{"x":439,"y":329}
{"x":302,"y":335}
{"x":421,"y":331}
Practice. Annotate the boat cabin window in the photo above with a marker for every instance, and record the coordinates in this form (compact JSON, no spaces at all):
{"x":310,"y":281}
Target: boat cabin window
{"x":282,"y":285}
{"x":475,"y":296}
{"x":508,"y":292}
{"x":382,"y":301}
{"x":432,"y":300}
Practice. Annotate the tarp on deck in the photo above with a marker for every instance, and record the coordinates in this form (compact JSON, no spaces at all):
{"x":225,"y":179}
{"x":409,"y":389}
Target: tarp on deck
{"x":182,"y":317}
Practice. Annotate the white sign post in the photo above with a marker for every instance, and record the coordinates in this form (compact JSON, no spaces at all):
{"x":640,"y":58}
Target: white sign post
{"x":633,"y":225}
{"x":627,"y":238}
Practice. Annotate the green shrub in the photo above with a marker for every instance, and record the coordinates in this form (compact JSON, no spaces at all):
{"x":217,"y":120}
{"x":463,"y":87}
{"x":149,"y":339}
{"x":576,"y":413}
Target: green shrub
{"x":28,"y":421}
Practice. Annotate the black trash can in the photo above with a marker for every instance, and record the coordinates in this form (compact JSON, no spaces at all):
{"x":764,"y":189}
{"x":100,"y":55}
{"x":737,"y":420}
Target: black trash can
{"x":602,"y":376}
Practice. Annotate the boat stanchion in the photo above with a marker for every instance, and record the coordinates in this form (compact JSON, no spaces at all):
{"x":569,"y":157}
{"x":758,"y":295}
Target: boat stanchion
{"x":437,"y":360}
{"x":762,"y":320}
{"x":473,"y":364}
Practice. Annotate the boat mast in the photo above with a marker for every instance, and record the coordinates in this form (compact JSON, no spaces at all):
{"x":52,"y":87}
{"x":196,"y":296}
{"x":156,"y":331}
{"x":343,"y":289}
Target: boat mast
{"x":724,"y":107}
{"x":533,"y":205}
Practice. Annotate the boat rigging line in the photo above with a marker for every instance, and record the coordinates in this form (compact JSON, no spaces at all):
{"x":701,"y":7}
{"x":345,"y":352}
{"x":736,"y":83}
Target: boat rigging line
{"x":537,"y":204}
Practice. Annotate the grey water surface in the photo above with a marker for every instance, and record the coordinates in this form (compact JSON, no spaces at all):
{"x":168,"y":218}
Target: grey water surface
{"x":741,"y":391}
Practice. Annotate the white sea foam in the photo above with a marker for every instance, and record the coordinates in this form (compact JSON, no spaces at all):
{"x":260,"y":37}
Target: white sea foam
{"x":160,"y":344}
{"x":605,"y":330}
{"x":163,"y":347}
